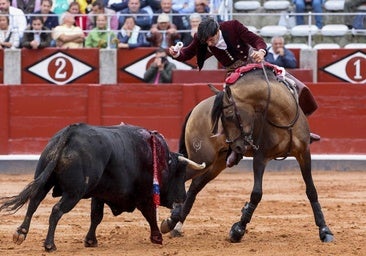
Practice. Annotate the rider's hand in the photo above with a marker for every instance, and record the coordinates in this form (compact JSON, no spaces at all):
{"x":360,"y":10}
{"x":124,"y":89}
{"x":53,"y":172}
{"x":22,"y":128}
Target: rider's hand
{"x":258,"y":56}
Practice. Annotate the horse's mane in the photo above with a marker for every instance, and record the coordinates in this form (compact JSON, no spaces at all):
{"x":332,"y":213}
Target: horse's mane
{"x":216,"y":111}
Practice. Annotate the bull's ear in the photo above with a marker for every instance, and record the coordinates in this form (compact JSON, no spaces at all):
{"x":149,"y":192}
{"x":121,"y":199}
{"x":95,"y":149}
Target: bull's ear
{"x":213,"y":89}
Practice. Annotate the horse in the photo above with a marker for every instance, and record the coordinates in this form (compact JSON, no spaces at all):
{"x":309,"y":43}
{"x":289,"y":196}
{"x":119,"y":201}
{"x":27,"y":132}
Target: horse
{"x":256,"y":115}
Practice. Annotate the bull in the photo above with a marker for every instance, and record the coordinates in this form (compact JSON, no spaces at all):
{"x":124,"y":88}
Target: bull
{"x":124,"y":166}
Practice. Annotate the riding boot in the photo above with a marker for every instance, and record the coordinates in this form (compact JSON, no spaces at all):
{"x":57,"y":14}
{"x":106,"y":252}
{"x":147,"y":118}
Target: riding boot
{"x":306,"y":101}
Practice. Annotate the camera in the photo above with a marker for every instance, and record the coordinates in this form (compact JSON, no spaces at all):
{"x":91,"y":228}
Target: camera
{"x":164,"y":59}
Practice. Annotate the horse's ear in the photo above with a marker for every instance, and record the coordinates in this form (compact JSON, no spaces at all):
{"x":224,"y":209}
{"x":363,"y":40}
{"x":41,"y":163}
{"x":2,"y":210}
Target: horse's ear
{"x":213,"y":89}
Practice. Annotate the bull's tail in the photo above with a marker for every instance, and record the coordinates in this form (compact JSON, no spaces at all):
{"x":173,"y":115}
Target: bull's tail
{"x":182,"y":139}
{"x":13,"y":203}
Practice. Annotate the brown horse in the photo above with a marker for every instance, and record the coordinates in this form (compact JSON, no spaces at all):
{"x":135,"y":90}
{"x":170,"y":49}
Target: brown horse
{"x":256,"y":116}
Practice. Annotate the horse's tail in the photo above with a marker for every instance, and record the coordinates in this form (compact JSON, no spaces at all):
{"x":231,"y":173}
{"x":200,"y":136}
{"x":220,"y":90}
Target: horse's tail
{"x":182,"y":138}
{"x":12,"y":204}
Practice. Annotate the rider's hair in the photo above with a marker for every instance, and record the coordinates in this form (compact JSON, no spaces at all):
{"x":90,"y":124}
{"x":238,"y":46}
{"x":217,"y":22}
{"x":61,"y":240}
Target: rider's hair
{"x":206,"y":29}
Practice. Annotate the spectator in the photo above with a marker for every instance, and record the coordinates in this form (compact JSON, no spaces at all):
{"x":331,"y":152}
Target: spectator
{"x":60,"y":6}
{"x":141,"y":16}
{"x":99,"y":36}
{"x":37,"y":38}
{"x":177,"y":20}
{"x":68,"y":35}
{"x":163,"y":34}
{"x":151,"y":6}
{"x":194,"y":20}
{"x":201,"y":7}
{"x":50,"y":19}
{"x":8,"y":38}
{"x":27,"y":6}
{"x":160,"y":71}
{"x":351,"y":6}
{"x":316,"y":5}
{"x":17,"y":20}
{"x":277,"y":54}
{"x":85,"y":6}
{"x":183,"y":6}
{"x":80,"y":19}
{"x":99,"y":8}
{"x":130,"y":35}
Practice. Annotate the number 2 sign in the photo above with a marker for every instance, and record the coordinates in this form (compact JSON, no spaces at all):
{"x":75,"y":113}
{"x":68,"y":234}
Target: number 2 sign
{"x":62,"y":68}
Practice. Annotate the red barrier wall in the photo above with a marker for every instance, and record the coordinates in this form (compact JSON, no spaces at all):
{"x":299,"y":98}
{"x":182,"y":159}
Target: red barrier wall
{"x":30,"y":115}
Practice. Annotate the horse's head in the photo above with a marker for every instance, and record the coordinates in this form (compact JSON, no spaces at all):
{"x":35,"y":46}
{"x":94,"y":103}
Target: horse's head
{"x":237,"y":123}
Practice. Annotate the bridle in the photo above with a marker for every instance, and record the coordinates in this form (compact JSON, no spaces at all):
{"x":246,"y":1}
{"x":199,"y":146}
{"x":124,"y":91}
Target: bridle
{"x":247,"y":137}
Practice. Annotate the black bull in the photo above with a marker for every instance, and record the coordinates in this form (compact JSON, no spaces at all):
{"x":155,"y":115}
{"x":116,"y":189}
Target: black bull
{"x":113,"y":165}
{"x":257,"y":117}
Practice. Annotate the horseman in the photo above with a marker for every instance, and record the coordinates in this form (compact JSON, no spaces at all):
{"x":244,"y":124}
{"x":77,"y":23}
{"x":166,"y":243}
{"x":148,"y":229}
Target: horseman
{"x":234,"y":46}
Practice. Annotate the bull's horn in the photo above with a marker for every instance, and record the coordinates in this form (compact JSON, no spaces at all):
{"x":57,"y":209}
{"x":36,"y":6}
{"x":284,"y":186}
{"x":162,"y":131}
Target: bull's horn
{"x":192,"y":164}
{"x":213,"y":89}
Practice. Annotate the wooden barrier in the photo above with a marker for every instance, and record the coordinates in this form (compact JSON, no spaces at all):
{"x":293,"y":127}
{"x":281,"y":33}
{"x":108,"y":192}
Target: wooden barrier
{"x":31,"y":114}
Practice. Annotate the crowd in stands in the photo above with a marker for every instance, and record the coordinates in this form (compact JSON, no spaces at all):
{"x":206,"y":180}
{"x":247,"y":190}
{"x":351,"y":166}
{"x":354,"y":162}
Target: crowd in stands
{"x":38,"y":24}
{"x":118,"y":23}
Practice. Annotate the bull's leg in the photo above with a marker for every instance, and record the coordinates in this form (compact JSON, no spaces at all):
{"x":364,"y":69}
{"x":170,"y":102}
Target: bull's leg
{"x":65,"y":205}
{"x":148,"y":210}
{"x":96,"y":216}
{"x":305,"y":164}
{"x":238,"y":229}
{"x":22,"y":231}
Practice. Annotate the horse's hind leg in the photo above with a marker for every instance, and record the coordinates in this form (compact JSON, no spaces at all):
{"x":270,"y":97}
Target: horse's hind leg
{"x":305,"y":164}
{"x":238,"y":229}
{"x":66,"y":204}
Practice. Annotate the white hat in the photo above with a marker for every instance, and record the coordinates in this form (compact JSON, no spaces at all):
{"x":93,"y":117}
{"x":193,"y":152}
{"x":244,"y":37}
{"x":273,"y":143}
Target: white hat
{"x":163,"y":18}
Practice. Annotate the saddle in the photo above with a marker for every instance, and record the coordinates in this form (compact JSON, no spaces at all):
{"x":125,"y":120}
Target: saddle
{"x":296,"y":87}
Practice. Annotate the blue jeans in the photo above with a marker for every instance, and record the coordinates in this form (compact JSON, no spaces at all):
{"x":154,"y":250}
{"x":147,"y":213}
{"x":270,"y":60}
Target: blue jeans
{"x":317,"y":8}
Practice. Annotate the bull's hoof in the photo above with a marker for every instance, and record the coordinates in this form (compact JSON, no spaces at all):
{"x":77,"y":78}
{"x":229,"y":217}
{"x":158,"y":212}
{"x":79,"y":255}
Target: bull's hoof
{"x":236,"y":233}
{"x":156,"y":239}
{"x":50,"y":247}
{"x":166,"y":226}
{"x":176,"y":233}
{"x":326,"y":235}
{"x":90,"y":243}
{"x":19,"y":235}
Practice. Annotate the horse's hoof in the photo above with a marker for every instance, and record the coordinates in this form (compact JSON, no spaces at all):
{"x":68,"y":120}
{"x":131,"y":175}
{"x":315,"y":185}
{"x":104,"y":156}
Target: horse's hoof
{"x":328,"y":238}
{"x":166,"y":226}
{"x":236,"y":233}
{"x":90,"y":243}
{"x":176,"y":233}
{"x":326,"y":235}
{"x":19,"y":236}
{"x":50,"y":247}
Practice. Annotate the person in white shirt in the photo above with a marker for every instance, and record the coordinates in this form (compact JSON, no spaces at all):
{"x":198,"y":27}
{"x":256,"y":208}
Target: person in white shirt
{"x":17,"y":20}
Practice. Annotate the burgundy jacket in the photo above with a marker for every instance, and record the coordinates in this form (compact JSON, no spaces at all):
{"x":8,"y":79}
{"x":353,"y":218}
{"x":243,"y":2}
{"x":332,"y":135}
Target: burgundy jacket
{"x":237,"y":38}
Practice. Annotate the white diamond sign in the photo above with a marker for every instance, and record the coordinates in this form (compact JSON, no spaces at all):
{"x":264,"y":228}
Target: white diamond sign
{"x":351,"y":68}
{"x":60,"y":68}
{"x":138,"y":68}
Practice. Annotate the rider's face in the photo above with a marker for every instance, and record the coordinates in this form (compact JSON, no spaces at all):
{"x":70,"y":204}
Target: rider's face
{"x":212,"y":41}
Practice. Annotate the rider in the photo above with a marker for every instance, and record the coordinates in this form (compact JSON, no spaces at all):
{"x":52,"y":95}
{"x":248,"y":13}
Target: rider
{"x":234,"y":45}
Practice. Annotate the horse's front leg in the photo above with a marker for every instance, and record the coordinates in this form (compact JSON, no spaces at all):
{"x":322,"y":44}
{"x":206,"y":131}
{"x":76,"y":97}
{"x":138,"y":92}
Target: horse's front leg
{"x":180,"y":212}
{"x":238,"y":229}
{"x":325,"y":234}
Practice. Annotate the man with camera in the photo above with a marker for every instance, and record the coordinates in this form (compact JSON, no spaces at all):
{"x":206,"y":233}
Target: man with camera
{"x":160,"y":71}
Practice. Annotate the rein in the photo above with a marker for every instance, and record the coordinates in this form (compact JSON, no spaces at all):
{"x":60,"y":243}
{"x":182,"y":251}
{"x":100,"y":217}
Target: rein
{"x":247,"y":137}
